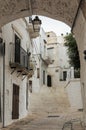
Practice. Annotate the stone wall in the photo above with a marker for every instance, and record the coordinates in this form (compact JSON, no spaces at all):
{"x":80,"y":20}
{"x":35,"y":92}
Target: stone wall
{"x":80,"y":35}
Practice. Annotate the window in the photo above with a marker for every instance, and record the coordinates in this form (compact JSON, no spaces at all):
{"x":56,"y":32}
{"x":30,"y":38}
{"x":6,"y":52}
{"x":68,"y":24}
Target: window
{"x":17,"y":48}
{"x":57,"y":70}
{"x":64,"y":75}
{"x":48,"y":35}
{"x":38,"y":75}
{"x":49,"y":81}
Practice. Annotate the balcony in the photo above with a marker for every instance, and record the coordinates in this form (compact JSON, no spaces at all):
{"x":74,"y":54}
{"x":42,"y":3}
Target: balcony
{"x":20,"y":60}
{"x":47,"y":60}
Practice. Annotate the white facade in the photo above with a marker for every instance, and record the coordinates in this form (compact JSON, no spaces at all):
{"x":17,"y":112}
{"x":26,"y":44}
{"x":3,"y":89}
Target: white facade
{"x":55,"y":70}
{"x":13,"y":79}
{"x":60,"y":68}
{"x":39,"y":52}
{"x":36,"y":76}
{"x":74,"y":94}
{"x":53,"y":52}
{"x":51,"y":59}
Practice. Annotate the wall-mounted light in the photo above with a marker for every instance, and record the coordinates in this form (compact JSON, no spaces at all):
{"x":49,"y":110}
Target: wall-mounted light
{"x":36,"y":24}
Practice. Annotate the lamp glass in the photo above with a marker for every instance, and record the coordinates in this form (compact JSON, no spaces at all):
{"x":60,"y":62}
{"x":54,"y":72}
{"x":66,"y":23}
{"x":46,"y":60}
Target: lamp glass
{"x":36,"y":24}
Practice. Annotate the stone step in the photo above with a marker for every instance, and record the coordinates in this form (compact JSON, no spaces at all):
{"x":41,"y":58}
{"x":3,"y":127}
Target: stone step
{"x":49,"y":100}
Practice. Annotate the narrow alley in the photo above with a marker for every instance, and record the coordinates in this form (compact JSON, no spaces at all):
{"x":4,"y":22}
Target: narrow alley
{"x":43,"y":65}
{"x":49,"y":110}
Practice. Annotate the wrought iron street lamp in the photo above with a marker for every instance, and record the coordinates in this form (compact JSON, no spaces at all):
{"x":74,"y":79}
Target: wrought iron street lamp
{"x":36,"y":24}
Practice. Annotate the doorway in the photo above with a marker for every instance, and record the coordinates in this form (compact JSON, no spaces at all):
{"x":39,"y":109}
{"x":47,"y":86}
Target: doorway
{"x":64,"y":75}
{"x":49,"y":81}
{"x":15,"y":105}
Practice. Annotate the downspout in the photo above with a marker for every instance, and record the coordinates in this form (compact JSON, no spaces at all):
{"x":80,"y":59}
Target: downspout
{"x":3,"y":45}
{"x":2,"y":53}
{"x":76,"y":15}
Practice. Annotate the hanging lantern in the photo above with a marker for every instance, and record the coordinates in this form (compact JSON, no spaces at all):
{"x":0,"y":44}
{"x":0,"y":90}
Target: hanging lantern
{"x":36,"y":24}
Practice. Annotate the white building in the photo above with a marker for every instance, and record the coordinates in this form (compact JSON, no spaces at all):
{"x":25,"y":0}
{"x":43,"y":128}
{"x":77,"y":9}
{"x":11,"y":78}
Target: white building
{"x":54,"y":67}
{"x":60,"y":67}
{"x":50,"y":63}
{"x":25,"y":54}
{"x":36,"y":60}
{"x":15,"y":71}
{"x":39,"y":52}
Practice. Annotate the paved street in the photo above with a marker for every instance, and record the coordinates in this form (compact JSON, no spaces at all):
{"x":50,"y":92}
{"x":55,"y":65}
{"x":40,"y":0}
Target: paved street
{"x":34,"y":122}
{"x":49,"y":110}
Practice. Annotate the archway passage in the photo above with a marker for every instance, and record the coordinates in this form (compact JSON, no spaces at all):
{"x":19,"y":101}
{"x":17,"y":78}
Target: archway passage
{"x":63,"y":10}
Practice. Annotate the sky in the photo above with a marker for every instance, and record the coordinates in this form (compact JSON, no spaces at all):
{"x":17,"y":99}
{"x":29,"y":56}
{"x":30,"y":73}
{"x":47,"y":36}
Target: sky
{"x":58,"y":27}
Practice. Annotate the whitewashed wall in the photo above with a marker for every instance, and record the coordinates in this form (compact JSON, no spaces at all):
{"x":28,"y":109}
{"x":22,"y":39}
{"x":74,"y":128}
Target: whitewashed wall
{"x":74,"y":93}
{"x":62,"y":51}
{"x":35,"y":80}
{"x":42,"y":40}
{"x":39,"y":52}
{"x":8,"y":32}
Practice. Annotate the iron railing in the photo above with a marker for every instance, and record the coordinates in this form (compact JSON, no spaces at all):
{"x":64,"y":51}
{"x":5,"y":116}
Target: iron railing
{"x":19,"y":56}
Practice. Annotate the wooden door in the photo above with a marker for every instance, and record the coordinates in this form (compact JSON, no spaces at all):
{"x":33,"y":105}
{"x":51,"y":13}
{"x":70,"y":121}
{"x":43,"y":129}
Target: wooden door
{"x":15,"y":106}
{"x":64,"y":75}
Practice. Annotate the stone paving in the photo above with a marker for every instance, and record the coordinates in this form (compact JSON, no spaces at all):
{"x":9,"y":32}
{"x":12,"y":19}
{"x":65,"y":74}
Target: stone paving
{"x":34,"y":122}
{"x":49,"y":110}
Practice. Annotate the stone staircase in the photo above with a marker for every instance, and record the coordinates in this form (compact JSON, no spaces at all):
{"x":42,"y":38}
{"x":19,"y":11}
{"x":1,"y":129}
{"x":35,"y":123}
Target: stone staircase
{"x":49,"y":100}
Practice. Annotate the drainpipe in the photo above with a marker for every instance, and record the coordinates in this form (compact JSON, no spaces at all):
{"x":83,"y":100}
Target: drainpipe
{"x":76,"y":15}
{"x":2,"y":53}
{"x":3,"y":46}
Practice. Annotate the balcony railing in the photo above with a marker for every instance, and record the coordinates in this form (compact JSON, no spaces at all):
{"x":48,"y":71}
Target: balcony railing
{"x":19,"y":59}
{"x":47,"y":60}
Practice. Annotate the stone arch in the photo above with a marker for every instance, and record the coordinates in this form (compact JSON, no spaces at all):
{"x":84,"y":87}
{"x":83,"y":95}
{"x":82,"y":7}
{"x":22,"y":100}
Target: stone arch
{"x":63,"y":10}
